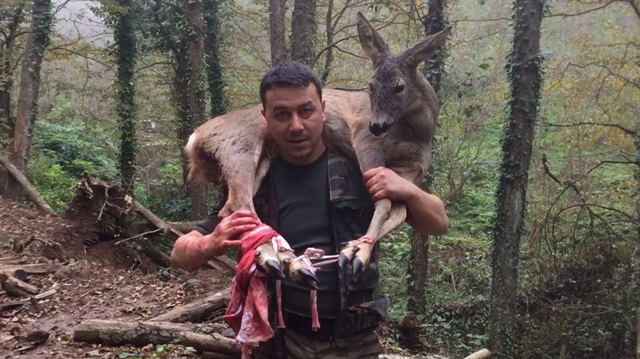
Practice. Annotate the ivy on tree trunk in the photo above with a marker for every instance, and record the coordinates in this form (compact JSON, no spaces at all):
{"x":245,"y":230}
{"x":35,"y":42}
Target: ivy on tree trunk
{"x":126,"y":51}
{"x":215,"y":77}
{"x":524,"y":67}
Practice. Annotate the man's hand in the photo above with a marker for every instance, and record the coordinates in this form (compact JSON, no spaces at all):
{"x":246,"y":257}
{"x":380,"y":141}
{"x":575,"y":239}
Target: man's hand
{"x":428,"y":215}
{"x":385,"y":183}
{"x":194,"y":249}
{"x":227,"y":231}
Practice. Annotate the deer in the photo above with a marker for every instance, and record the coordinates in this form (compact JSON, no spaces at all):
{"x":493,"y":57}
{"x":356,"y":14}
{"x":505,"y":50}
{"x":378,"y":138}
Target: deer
{"x":391,"y":124}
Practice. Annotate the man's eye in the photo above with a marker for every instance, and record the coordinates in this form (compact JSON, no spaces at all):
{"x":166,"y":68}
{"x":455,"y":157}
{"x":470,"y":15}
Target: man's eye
{"x":306,"y":112}
{"x":281,"y":116}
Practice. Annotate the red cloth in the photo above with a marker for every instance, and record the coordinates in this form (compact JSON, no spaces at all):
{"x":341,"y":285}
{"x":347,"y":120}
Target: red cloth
{"x":247,"y":313}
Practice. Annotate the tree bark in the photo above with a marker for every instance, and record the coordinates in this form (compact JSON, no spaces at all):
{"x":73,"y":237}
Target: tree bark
{"x":16,"y":287}
{"x":114,"y":333}
{"x":276,"y":28}
{"x":39,"y":268}
{"x":31,"y":191}
{"x":525,"y":74}
{"x":480,"y":354}
{"x":435,"y":21}
{"x":329,"y":29}
{"x":215,"y":77}
{"x":303,"y":31}
{"x":6,"y":72}
{"x":28,"y":97}
{"x":33,"y":300}
{"x":195,"y":114}
{"x":126,"y":50}
{"x":418,"y":271}
{"x":197,"y":311}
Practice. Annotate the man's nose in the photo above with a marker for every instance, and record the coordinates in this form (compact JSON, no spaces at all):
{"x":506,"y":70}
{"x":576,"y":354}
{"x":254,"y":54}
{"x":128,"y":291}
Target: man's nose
{"x":296,"y":123}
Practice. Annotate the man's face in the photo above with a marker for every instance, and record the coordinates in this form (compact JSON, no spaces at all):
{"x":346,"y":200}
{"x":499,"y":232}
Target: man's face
{"x":295,"y":118}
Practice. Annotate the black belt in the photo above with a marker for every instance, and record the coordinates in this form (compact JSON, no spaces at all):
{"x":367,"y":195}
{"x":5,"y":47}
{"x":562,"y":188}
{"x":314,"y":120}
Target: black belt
{"x":301,"y":325}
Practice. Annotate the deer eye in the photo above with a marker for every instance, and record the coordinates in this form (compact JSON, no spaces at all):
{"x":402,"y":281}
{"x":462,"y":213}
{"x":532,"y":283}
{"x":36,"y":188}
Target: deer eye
{"x":399,"y":88}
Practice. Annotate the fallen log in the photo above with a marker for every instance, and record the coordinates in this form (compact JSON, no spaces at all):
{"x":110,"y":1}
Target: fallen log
{"x":10,"y":260}
{"x":155,"y":220}
{"x":115,"y":333}
{"x":480,"y":354}
{"x":222,"y":263}
{"x":16,"y":287}
{"x":197,"y":311}
{"x":38,"y":268}
{"x":33,"y":300}
{"x":26,"y":185}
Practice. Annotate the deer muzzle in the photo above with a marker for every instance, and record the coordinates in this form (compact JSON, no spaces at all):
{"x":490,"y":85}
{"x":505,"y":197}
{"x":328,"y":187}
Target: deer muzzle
{"x":379,"y":128}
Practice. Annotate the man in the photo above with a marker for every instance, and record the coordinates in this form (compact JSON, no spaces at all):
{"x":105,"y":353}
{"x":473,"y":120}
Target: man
{"x":295,"y":200}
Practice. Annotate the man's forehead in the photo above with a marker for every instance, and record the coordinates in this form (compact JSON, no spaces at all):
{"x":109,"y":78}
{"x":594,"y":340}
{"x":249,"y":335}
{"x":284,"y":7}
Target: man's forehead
{"x":291,"y":96}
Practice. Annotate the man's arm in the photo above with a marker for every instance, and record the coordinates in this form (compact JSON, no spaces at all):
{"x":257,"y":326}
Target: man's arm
{"x":194,"y":249}
{"x":428,"y":215}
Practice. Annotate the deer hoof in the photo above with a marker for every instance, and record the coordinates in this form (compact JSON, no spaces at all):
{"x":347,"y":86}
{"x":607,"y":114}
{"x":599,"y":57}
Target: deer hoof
{"x":305,"y":277}
{"x":347,"y":255}
{"x":273,"y":268}
{"x":358,"y":266}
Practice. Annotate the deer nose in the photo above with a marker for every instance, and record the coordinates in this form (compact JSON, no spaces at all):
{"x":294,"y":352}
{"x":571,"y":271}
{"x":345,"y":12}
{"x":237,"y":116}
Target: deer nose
{"x":378,"y":128}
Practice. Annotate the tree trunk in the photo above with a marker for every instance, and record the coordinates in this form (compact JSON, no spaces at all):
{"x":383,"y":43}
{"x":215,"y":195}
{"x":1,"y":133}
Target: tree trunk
{"x":215,"y":77}
{"x":435,"y":21}
{"x":525,"y":75}
{"x":417,"y":273}
{"x":303,"y":31}
{"x":27,"y":187}
{"x":328,"y":60}
{"x":126,"y":50}
{"x":419,"y":261}
{"x":28,"y":97}
{"x":12,"y":14}
{"x":277,"y":39}
{"x":195,"y":96}
{"x":114,"y":333}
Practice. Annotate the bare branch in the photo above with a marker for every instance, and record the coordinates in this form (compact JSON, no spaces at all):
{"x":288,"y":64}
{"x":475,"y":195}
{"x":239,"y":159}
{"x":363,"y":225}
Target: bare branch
{"x":586,"y":11}
{"x":85,"y":56}
{"x":576,"y":124}
{"x":61,"y":6}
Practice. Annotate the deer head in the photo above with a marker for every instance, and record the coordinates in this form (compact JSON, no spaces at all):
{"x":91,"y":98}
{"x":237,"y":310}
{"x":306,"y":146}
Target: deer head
{"x":397,"y":89}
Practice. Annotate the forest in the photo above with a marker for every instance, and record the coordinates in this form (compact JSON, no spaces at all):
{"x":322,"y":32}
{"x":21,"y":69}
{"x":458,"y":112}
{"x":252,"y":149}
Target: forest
{"x":536,"y":151}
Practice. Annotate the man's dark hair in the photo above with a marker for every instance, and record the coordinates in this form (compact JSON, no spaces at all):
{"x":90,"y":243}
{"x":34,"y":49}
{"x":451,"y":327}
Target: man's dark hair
{"x":289,"y":74}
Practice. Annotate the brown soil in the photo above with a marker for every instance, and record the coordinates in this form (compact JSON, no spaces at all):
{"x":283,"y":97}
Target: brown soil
{"x":101,"y":281}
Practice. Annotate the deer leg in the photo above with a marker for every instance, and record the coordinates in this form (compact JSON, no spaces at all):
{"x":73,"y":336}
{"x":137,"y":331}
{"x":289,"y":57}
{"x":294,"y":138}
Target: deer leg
{"x":386,"y":217}
{"x":240,"y":172}
{"x":261,"y":172}
{"x":267,"y":260}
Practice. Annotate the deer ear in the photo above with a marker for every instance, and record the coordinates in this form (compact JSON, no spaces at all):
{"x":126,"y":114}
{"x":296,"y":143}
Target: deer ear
{"x":426,"y":47}
{"x":370,"y":40}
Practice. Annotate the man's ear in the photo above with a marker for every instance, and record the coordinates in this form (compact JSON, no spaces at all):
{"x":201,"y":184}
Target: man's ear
{"x":264,"y":113}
